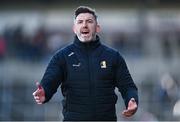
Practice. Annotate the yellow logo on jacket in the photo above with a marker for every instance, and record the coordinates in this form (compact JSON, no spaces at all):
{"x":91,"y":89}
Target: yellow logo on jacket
{"x":103,"y":64}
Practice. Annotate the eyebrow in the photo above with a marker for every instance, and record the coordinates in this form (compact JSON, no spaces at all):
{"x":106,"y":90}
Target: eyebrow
{"x":85,"y":19}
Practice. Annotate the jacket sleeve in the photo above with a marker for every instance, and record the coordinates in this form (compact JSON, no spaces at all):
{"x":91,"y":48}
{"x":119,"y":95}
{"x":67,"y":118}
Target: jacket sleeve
{"x":53,"y":75}
{"x":124,"y":81}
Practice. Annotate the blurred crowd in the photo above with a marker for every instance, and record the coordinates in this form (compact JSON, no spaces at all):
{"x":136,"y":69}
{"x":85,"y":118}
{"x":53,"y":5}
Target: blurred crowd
{"x":16,"y":44}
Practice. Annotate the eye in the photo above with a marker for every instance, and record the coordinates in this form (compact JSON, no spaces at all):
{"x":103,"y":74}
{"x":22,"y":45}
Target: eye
{"x":79,"y":21}
{"x":90,"y":21}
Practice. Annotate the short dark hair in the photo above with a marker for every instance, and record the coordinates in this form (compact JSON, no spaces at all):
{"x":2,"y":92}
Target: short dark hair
{"x":85,"y":9}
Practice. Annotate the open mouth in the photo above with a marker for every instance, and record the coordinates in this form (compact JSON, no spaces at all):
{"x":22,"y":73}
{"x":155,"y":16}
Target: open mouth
{"x":85,"y":33}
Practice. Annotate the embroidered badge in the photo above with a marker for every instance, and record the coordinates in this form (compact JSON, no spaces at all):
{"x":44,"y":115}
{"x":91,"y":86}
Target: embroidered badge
{"x":103,"y":64}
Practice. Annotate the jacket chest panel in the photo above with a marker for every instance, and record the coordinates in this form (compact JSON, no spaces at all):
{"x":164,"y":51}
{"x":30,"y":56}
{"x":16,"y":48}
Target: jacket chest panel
{"x":104,"y":72}
{"x":76,"y":69}
{"x":85,"y":67}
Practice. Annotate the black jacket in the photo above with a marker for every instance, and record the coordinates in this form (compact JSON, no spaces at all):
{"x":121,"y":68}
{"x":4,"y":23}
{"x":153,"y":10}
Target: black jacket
{"x":88,"y":74}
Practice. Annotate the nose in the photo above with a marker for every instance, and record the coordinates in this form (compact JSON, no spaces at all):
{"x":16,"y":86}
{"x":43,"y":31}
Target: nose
{"x":84,"y":24}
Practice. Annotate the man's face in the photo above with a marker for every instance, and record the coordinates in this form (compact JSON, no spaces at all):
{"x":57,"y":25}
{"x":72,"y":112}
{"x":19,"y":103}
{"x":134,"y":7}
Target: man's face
{"x":85,"y":27}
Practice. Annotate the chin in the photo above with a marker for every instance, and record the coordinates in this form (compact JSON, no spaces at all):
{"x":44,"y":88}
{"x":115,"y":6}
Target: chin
{"x":85,"y":40}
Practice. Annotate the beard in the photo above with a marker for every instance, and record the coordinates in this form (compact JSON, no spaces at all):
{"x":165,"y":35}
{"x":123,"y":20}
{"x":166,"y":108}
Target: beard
{"x":86,"y":37}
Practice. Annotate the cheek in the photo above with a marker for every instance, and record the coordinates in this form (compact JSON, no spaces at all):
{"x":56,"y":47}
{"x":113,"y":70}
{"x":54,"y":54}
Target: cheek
{"x":92,"y":28}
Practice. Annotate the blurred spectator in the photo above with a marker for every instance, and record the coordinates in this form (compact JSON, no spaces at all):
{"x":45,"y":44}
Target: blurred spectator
{"x":119,"y":41}
{"x":128,"y":43}
{"x":166,"y":43}
{"x":55,"y":41}
{"x":25,"y":47}
{"x":2,"y":48}
{"x":39,"y":44}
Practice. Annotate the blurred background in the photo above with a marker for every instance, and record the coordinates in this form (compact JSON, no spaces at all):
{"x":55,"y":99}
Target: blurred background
{"x":146,"y":32}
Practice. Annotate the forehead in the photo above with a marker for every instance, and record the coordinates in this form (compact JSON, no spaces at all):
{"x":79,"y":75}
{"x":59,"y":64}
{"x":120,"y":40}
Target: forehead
{"x":84,"y":16}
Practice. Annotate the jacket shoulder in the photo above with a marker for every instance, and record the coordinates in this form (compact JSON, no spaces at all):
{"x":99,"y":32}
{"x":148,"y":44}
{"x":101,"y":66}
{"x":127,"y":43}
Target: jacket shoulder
{"x":65,"y":50}
{"x":110,"y":50}
{"x":114,"y":53}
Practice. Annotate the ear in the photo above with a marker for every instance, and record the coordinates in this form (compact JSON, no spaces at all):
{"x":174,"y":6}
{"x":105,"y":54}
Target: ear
{"x":73,"y":28}
{"x":98,"y":28}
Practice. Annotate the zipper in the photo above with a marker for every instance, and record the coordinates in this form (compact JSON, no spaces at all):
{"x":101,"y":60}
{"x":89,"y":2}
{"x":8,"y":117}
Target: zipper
{"x":91,"y":82}
{"x":89,"y":70}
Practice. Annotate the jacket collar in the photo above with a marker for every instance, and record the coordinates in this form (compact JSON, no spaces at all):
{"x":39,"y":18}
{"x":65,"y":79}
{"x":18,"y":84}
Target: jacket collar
{"x":87,"y":45}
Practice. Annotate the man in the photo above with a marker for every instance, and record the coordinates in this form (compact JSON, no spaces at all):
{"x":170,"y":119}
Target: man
{"x":88,"y":73}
